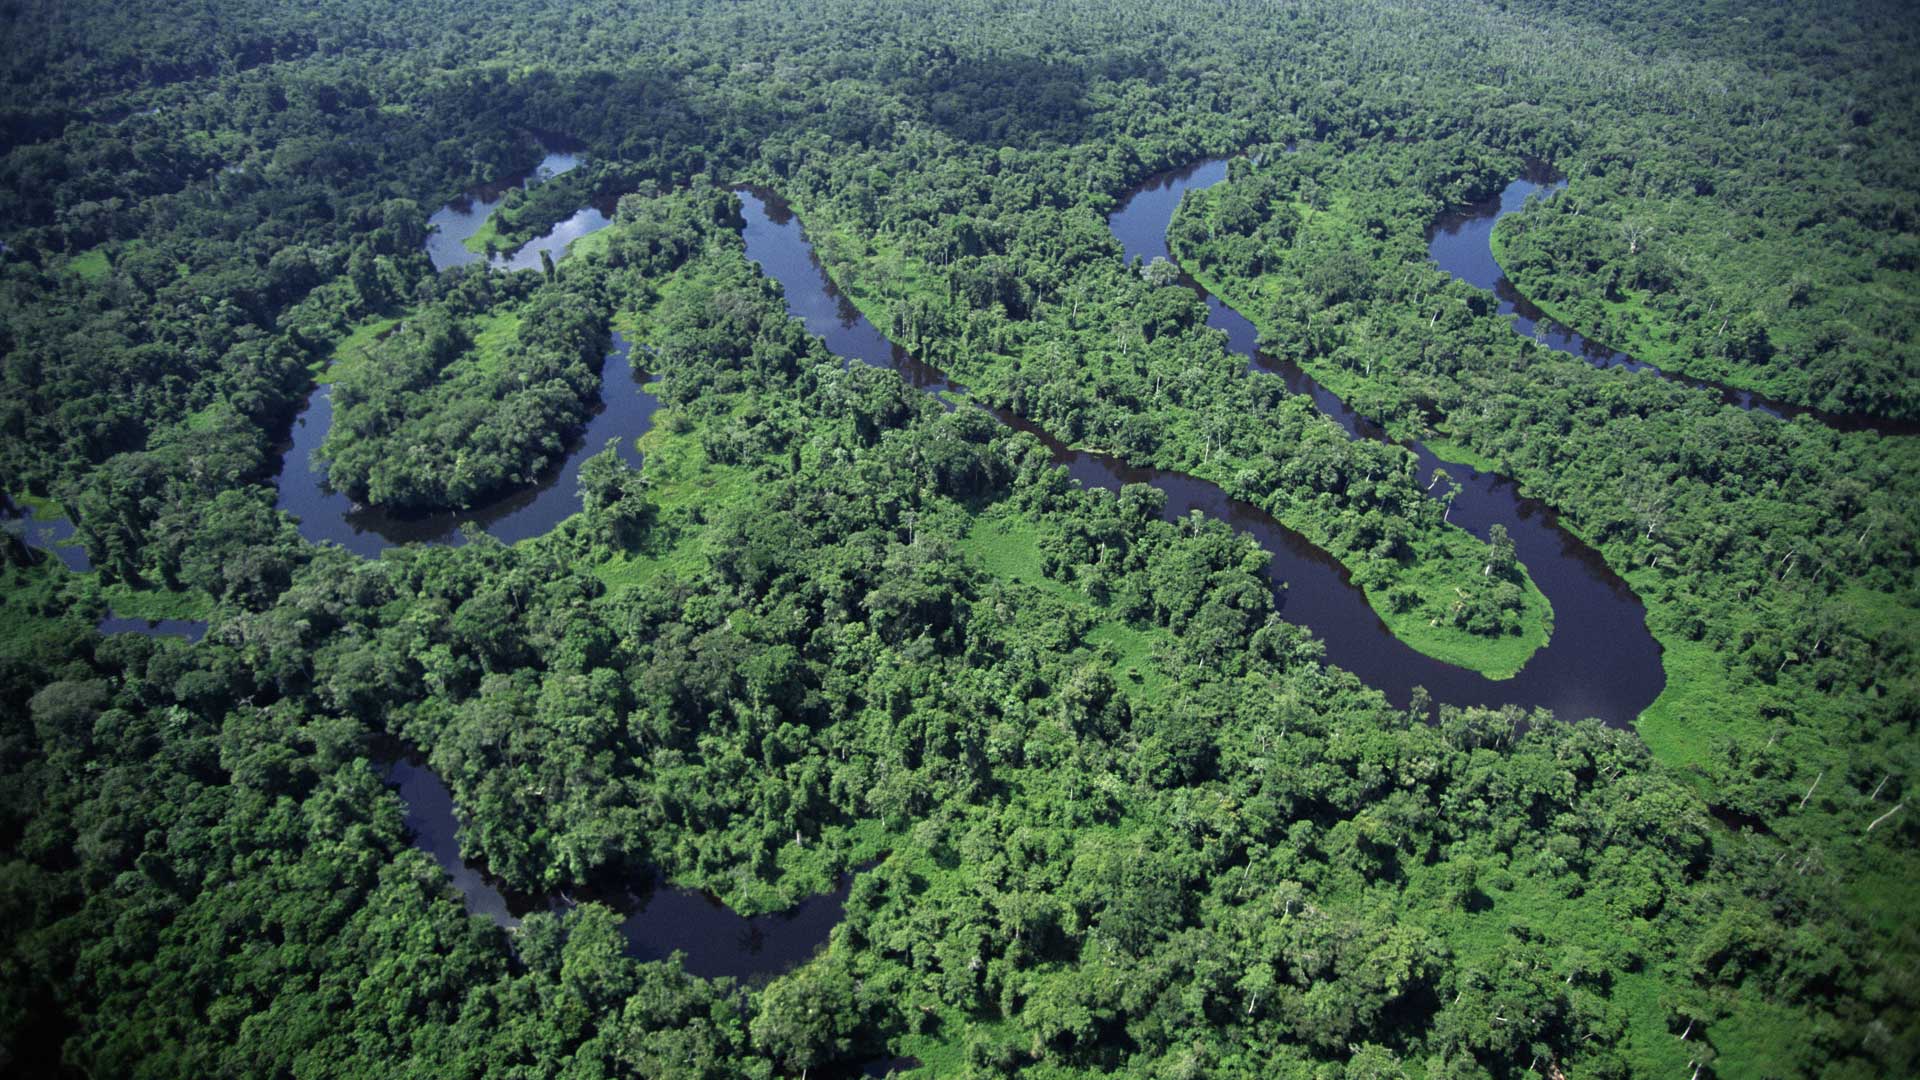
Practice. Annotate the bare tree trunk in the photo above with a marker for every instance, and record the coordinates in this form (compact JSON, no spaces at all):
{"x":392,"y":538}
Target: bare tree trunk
{"x":1809,"y":794}
{"x":1896,"y":809}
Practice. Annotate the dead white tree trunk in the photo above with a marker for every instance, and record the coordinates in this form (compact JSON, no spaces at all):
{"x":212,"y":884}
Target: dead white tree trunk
{"x":1809,"y":794}
{"x":1876,"y":821}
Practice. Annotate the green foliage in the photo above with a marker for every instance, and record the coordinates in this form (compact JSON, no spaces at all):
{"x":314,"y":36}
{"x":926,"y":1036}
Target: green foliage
{"x":1125,"y":820}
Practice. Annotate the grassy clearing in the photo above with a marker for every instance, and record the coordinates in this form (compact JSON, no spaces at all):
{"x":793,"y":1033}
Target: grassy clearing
{"x":156,"y":603}
{"x":1007,"y":546}
{"x":494,"y":335}
{"x":357,"y":346}
{"x":679,"y":478}
{"x":43,"y":507}
{"x":487,"y":234}
{"x":1522,"y":897}
{"x":91,"y":264}
{"x":597,"y":241}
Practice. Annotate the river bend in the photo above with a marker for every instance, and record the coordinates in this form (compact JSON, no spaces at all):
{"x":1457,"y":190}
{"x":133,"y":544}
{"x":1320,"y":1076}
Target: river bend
{"x":1601,"y":660}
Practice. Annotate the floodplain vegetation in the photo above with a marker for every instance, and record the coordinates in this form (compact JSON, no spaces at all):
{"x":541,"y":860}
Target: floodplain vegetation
{"x":1112,"y":813}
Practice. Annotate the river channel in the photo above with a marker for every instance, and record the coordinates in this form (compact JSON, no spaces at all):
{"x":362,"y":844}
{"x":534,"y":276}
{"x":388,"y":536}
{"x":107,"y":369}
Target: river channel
{"x":659,"y":919}
{"x":625,"y":412}
{"x":1462,"y":244}
{"x":1601,"y":660}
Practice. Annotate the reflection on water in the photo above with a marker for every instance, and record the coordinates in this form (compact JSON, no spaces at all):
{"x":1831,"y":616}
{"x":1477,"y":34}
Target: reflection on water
{"x":460,"y":219}
{"x":1601,"y":661}
{"x":1462,"y":244}
{"x":625,"y":414}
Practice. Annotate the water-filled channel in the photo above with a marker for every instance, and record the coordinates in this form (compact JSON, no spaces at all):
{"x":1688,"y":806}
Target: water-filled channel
{"x":1462,"y":244}
{"x":625,"y":414}
{"x":453,"y":223}
{"x":1601,"y":661}
{"x":659,"y":919}
{"x":626,"y":410}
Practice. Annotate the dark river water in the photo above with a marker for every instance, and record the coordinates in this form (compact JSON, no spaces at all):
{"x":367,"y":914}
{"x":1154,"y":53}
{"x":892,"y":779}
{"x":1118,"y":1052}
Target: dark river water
{"x":625,"y":414}
{"x":626,"y":410}
{"x":1461,"y":243}
{"x":460,"y":219}
{"x":1601,"y":661}
{"x":659,"y":919}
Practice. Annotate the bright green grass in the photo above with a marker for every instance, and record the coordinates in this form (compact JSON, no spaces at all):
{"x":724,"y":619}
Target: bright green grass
{"x":1761,"y":1039}
{"x":44,"y":508}
{"x":494,"y":334}
{"x":1519,"y":898}
{"x":679,"y":477}
{"x":91,"y":264}
{"x":357,"y":346}
{"x":594,"y":242}
{"x":156,"y":603}
{"x":942,"y":1051}
{"x":1446,"y":449}
{"x":487,"y":233}
{"x":1008,"y":547}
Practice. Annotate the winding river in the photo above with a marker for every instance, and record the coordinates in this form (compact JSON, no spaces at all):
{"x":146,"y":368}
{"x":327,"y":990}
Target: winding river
{"x":659,"y":919}
{"x":625,"y":413}
{"x":1462,"y":244}
{"x":1601,"y":660}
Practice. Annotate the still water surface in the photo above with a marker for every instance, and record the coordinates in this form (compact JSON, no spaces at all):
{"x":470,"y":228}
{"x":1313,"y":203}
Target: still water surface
{"x":1601,"y":660}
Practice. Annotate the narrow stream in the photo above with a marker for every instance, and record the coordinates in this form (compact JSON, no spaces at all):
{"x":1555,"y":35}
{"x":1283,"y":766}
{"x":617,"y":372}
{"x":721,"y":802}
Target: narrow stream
{"x":659,"y":919}
{"x":1462,"y":244}
{"x":626,"y":412}
{"x":1601,"y":661}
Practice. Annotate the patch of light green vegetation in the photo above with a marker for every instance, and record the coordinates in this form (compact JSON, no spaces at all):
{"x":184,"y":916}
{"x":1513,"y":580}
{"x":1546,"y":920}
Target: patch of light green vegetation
{"x":357,"y":346}
{"x":91,"y":264}
{"x":680,"y":477}
{"x":1007,"y":545}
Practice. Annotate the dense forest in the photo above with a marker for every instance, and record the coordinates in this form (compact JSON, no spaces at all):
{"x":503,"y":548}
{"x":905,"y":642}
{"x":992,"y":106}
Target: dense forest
{"x":1080,"y":769}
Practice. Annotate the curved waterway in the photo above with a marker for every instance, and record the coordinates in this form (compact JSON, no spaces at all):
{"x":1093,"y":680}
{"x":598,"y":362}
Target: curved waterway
{"x":1601,"y":661}
{"x":453,"y":223}
{"x":659,"y":920}
{"x":1462,"y":244}
{"x":625,"y":413}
